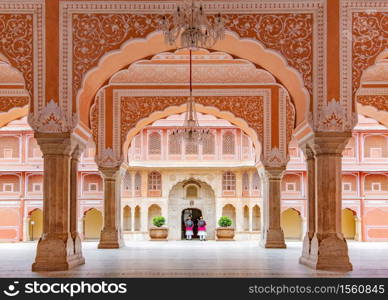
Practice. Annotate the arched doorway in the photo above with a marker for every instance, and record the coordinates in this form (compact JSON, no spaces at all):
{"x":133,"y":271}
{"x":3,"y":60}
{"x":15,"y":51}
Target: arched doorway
{"x":153,"y":211}
{"x":36,"y":224}
{"x":195,"y":213}
{"x":291,"y":223}
{"x":182,"y":198}
{"x":92,"y":224}
{"x":348,"y":224}
{"x":230,"y":211}
{"x":127,"y":220}
{"x":256,"y":218}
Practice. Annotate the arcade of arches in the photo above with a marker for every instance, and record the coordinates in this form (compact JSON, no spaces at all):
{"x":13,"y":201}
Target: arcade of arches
{"x":298,"y":145}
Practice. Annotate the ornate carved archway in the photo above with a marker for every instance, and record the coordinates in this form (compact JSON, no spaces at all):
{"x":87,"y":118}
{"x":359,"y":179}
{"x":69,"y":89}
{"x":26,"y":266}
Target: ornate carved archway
{"x":156,"y":88}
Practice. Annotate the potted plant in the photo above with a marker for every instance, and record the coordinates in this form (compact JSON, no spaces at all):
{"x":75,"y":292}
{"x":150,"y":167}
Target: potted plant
{"x":225,"y":232}
{"x":158,"y":233}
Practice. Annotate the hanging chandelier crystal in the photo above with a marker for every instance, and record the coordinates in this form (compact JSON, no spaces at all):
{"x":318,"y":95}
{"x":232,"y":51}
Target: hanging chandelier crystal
{"x":191,"y":132}
{"x":194,"y":28}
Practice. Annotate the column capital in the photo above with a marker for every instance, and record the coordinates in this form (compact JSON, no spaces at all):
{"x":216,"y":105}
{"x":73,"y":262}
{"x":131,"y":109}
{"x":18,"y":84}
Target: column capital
{"x":307,"y":151}
{"x":110,"y":172}
{"x":329,"y":142}
{"x":274,"y":172}
{"x":78,"y":149}
{"x":54,"y":143}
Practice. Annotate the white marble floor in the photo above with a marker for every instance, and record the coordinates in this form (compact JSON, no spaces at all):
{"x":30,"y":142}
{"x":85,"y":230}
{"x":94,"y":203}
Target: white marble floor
{"x":194,"y":259}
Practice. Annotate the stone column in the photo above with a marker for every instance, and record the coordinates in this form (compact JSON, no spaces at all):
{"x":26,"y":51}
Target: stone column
{"x":55,"y":249}
{"x":74,"y":198}
{"x":303,"y":228}
{"x":310,"y":162}
{"x":272,"y":233}
{"x":144,"y":218}
{"x":111,"y":235}
{"x":250,"y":210}
{"x":133,"y":218}
{"x":239,"y":217}
{"x":26,"y":231}
{"x":81,"y":228}
{"x":329,"y":250}
{"x":357,"y":236}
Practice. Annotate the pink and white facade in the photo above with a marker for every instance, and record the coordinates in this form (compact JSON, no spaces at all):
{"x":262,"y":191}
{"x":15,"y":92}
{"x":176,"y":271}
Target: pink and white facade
{"x":227,"y":183}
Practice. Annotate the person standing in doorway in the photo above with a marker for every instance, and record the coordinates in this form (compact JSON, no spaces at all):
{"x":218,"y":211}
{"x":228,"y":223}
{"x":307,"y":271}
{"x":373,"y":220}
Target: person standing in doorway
{"x":202,"y":229}
{"x":189,"y":224}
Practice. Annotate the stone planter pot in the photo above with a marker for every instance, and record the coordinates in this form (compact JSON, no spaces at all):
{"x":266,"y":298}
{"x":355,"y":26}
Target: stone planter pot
{"x":158,"y":233}
{"x":225,"y":234}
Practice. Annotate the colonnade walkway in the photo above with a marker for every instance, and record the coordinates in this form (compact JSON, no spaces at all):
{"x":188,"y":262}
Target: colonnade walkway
{"x":195,"y":259}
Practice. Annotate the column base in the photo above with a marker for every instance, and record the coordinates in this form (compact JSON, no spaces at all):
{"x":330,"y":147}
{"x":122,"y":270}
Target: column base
{"x":306,"y":249}
{"x":55,"y":254}
{"x":110,"y":239}
{"x":78,"y":246}
{"x":274,"y":238}
{"x":328,"y":254}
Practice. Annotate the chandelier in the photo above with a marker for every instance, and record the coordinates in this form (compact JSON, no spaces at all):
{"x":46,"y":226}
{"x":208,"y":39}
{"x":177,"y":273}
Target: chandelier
{"x":191,"y":132}
{"x":195,"y":29}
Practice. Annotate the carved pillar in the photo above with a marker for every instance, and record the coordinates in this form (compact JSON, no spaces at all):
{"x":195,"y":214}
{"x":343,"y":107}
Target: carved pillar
{"x":310,"y":161}
{"x":81,"y":228}
{"x":250,"y":210}
{"x":303,"y":228}
{"x":26,"y":232}
{"x":74,"y":198}
{"x":272,"y":233}
{"x":329,"y":250}
{"x":357,"y":236}
{"x":133,"y":218}
{"x":111,"y":235}
{"x":55,"y":250}
{"x":143,"y":218}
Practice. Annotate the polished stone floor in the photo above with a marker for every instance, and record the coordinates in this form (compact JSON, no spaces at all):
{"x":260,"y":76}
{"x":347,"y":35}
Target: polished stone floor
{"x":194,"y":259}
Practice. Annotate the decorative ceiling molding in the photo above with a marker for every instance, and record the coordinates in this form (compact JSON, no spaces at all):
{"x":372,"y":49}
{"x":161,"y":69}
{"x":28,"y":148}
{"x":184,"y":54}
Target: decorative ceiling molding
{"x":364,"y":36}
{"x":92,"y":29}
{"x":22,"y":42}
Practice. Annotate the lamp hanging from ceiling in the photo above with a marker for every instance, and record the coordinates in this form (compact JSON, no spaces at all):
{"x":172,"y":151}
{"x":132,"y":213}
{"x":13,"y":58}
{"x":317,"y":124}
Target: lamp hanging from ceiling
{"x":191,"y":132}
{"x":193,"y":27}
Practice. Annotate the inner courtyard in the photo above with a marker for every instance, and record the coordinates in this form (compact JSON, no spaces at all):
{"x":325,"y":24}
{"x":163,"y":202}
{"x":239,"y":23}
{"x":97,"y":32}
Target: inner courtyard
{"x":216,"y":259}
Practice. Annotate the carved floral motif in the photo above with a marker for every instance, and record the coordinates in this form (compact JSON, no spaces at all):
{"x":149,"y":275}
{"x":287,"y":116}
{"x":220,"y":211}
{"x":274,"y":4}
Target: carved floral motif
{"x":16,"y":43}
{"x":96,"y":34}
{"x":290,"y":119}
{"x":94,"y":119}
{"x":370,"y":38}
{"x":6,"y":103}
{"x":249,"y":108}
{"x":378,"y":101}
{"x":289,"y":34}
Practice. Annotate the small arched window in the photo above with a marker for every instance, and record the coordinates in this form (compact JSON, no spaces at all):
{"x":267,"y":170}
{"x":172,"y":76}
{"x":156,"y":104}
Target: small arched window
{"x":154,"y":181}
{"x":228,"y":143}
{"x":245,"y":182}
{"x":255,"y":181}
{"x":191,"y":148}
{"x":137,"y":181}
{"x":154,"y":143}
{"x":191,"y":191}
{"x":127,"y":182}
{"x":174,"y":145}
{"x":208,"y":145}
{"x":229,"y":181}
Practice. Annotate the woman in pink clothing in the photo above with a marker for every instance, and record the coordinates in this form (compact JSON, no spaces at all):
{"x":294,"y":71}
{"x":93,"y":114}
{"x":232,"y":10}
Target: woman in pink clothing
{"x":202,"y":229}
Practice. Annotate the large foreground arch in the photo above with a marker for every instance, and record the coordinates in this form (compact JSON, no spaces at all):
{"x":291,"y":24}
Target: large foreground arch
{"x":137,"y":49}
